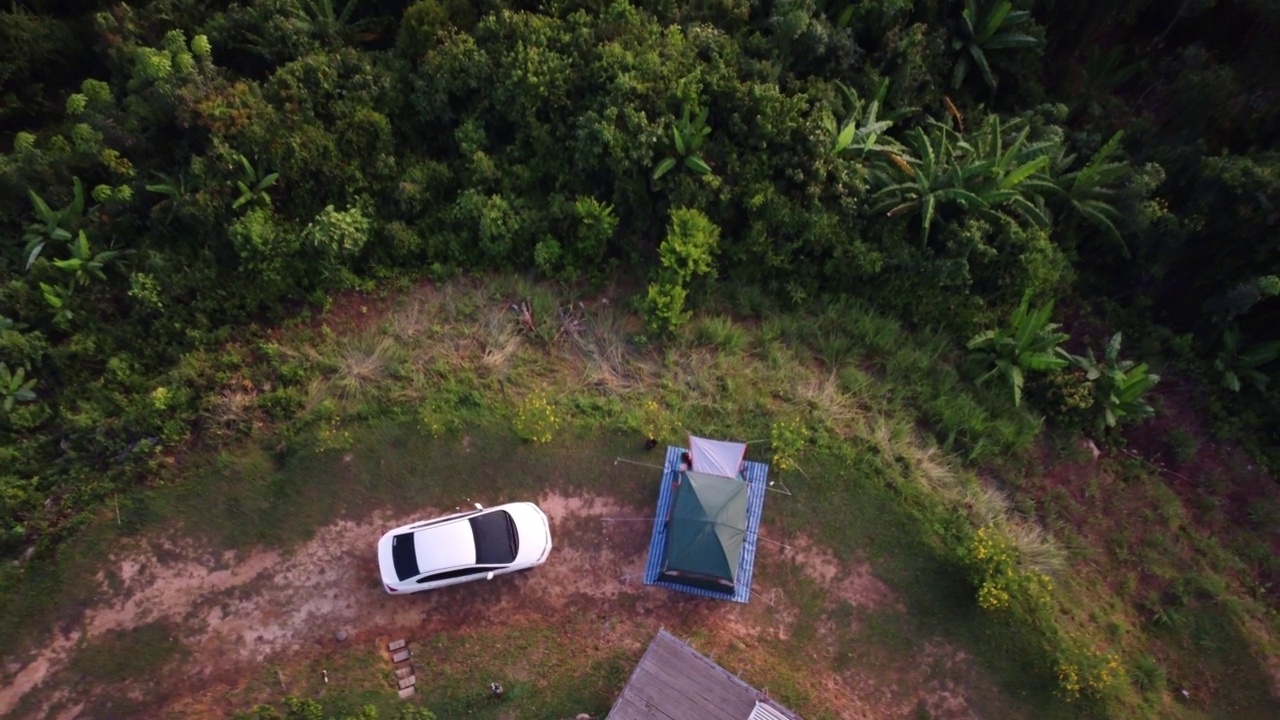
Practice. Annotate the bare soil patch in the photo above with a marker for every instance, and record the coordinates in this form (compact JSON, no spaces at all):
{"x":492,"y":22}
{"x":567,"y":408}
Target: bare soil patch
{"x":237,"y":613}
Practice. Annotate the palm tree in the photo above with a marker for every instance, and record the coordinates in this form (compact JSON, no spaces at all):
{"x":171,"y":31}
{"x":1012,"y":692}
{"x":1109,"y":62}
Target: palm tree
{"x":331,"y":23}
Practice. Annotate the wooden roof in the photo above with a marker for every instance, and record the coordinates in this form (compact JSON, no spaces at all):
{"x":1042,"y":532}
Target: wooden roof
{"x":675,"y":682}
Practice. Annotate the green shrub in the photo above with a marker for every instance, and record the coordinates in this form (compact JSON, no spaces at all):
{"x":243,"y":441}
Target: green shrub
{"x":1147,"y":673}
{"x":686,"y":253}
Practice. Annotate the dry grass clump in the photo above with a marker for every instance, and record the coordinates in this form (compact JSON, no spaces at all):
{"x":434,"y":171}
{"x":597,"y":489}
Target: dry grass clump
{"x":500,"y":339}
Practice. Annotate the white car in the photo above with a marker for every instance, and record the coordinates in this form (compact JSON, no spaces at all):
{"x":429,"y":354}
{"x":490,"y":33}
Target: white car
{"x":481,"y":543}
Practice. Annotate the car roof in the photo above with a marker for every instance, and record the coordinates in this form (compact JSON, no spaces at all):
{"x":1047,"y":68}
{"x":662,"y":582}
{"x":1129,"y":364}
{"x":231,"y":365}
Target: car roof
{"x":444,"y":546}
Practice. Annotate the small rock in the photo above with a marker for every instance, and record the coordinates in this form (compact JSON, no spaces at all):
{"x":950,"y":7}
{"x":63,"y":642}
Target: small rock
{"x":582,"y":716}
{"x":341,"y":635}
{"x":1087,"y":445}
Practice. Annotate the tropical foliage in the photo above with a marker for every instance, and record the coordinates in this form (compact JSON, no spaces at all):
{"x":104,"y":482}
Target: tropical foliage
{"x":983,"y":29}
{"x":1239,"y":364}
{"x":177,"y":175}
{"x":181,"y":173}
{"x":1029,"y":343}
{"x":1119,"y":385}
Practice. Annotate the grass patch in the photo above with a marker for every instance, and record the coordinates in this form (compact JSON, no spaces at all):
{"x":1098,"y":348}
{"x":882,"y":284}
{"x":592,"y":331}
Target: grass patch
{"x":133,"y":654}
{"x":358,"y":678}
{"x":545,"y":673}
{"x":888,"y":433}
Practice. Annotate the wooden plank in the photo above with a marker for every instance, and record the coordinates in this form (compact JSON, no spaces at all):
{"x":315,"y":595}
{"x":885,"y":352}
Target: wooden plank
{"x":407,"y":682}
{"x":675,"y":681}
{"x":396,"y":645}
{"x":400,"y":656}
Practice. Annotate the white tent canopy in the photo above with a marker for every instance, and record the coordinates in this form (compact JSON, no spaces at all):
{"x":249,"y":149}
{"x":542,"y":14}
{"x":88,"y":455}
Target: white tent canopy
{"x":717,"y":457}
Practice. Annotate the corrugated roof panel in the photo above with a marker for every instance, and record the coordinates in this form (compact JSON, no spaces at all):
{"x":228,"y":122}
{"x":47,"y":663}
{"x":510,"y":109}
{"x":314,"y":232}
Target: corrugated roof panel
{"x":766,"y":712}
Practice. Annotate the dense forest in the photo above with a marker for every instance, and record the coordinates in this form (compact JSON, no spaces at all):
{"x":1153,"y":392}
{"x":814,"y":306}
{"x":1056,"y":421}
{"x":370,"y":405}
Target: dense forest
{"x":176,"y":173}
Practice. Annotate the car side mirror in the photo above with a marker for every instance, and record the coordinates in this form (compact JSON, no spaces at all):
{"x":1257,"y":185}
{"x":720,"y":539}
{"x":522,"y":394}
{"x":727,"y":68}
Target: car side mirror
{"x":489,"y":576}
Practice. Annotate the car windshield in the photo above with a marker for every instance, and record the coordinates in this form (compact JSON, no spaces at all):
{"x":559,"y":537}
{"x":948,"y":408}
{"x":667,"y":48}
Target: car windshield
{"x":496,"y":541}
{"x":404,"y":556}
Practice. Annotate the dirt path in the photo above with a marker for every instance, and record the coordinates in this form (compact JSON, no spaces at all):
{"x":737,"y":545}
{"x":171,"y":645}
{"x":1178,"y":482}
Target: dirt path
{"x":236,"y":611}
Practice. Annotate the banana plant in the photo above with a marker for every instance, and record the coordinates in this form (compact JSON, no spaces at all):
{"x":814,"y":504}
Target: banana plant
{"x":53,"y":225}
{"x":688,"y":136}
{"x":863,"y":126}
{"x":175,"y":189}
{"x":983,"y":31}
{"x":58,"y":299}
{"x":252,"y":185}
{"x":1118,"y":385}
{"x":1091,"y":190}
{"x":1029,"y":343}
{"x":988,"y":177}
{"x":84,"y":264}
{"x":15,"y":387}
{"x":1236,"y":365}
{"x":1103,"y":75}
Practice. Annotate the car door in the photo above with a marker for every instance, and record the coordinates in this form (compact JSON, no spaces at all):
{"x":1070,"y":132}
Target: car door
{"x":454,"y":577}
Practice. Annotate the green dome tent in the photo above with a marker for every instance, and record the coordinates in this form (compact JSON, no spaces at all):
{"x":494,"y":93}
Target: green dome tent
{"x":705,"y":531}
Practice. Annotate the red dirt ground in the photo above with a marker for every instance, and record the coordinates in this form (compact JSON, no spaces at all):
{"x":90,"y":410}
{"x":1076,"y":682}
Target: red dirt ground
{"x":238,"y":612}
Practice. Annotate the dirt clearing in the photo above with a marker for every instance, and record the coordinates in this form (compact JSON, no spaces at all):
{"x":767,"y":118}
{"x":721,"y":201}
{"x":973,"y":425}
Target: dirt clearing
{"x":235,"y":613}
